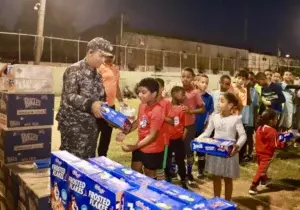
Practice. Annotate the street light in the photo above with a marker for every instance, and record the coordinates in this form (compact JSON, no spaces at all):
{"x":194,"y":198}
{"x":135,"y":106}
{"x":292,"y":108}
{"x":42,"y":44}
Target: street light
{"x":40,"y":8}
{"x":287,"y":55}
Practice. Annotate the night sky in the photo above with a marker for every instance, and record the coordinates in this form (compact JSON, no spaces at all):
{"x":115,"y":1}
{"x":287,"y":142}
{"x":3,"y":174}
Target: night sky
{"x":271,"y":23}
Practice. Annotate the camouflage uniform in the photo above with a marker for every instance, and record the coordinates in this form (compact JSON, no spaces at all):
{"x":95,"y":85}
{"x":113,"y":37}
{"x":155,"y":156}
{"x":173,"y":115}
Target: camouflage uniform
{"x":82,"y":86}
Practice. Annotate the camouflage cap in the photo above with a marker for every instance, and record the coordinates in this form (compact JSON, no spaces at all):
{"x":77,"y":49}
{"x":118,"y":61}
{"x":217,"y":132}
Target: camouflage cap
{"x":101,"y":45}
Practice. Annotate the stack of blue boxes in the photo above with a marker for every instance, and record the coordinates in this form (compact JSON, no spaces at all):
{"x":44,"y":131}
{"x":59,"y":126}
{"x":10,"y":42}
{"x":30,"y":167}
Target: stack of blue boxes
{"x":26,"y":121}
{"x":102,"y":183}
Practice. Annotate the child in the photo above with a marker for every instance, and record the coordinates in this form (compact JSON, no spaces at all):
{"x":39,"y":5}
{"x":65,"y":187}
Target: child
{"x":267,"y":140}
{"x":202,"y":119}
{"x":286,"y":119}
{"x":226,"y":126}
{"x":276,"y":77}
{"x":177,"y":132}
{"x":225,"y":85}
{"x":249,"y":114}
{"x":191,"y":102}
{"x":243,"y":92}
{"x":166,"y":105}
{"x":148,"y":152}
{"x":271,"y":94}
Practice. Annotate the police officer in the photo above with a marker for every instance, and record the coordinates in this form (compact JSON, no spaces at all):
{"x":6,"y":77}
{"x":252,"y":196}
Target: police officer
{"x":83,"y":94}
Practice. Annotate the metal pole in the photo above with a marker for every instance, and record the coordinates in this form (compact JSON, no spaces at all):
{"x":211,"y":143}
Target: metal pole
{"x":180,"y":60}
{"x":125,"y":57}
{"x":19,"y":43}
{"x":196,"y":60}
{"x":40,"y":32}
{"x":146,"y":63}
{"x":78,"y":49}
{"x":51,"y":49}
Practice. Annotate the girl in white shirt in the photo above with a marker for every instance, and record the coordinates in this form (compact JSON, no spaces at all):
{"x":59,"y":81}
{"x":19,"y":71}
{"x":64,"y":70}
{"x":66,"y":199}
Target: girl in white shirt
{"x":226,"y":125}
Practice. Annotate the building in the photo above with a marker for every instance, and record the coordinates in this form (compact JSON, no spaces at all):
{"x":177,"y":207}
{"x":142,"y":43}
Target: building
{"x":162,"y":52}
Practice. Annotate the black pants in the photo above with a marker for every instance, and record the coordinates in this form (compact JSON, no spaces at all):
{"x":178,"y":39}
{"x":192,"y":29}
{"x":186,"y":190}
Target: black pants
{"x":176,"y":146}
{"x":105,"y":136}
{"x":249,"y":143}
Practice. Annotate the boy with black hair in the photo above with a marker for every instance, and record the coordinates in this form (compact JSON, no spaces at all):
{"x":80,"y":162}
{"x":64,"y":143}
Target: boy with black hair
{"x":166,"y":105}
{"x":177,"y":132}
{"x":225,"y":85}
{"x":271,"y":94}
{"x":148,"y":152}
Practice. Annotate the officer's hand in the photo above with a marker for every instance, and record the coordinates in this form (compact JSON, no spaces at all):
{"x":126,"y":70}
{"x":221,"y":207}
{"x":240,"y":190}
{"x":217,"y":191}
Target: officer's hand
{"x":96,"y":109}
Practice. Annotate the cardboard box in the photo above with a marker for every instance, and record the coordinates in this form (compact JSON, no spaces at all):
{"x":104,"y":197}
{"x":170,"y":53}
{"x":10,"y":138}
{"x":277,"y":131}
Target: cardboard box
{"x":176,"y":192}
{"x":105,"y":191}
{"x":212,"y":204}
{"x":105,"y":163}
{"x":78,"y":180}
{"x":24,"y":145}
{"x":132,"y":177}
{"x":115,"y":118}
{"x":23,"y":110}
{"x":28,"y":78}
{"x":59,"y":167}
{"x":34,"y":189}
{"x":144,"y":198}
{"x":210,"y":146}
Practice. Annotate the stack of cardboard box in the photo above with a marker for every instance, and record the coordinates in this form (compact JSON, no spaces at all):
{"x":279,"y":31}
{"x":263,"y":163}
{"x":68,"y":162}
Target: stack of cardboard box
{"x":26,"y":119}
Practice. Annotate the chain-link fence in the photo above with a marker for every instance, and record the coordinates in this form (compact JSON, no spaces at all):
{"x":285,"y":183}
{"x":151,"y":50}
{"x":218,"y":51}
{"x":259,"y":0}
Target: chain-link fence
{"x":59,"y":51}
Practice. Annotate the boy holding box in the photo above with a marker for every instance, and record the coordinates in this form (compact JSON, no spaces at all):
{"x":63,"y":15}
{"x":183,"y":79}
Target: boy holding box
{"x":148,"y":152}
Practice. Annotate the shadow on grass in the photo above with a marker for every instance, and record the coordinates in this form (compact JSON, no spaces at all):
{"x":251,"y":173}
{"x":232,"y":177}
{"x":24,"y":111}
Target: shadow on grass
{"x":282,"y":184}
{"x":284,"y":155}
{"x":259,"y":202}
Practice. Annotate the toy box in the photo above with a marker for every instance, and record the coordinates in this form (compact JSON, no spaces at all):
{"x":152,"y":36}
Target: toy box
{"x":59,"y":167}
{"x":105,"y":191}
{"x":146,"y":199}
{"x":216,"y":147}
{"x":115,"y":118}
{"x":212,"y":204}
{"x":105,"y":163}
{"x":24,"y":145}
{"x":23,"y":110}
{"x":132,"y":177}
{"x":175,"y":192}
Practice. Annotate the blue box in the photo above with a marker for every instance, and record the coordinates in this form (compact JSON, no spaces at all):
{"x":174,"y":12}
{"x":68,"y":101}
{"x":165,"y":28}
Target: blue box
{"x":175,"y":192}
{"x":23,"y":110}
{"x":105,"y":163}
{"x":78,"y":177}
{"x":210,"y":146}
{"x":212,"y":204}
{"x":26,"y":145}
{"x":59,"y":167}
{"x":115,"y":118}
{"x":144,"y":198}
{"x":105,"y":191}
{"x":132,"y":177}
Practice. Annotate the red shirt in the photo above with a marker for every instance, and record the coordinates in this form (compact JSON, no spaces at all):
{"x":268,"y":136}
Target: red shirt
{"x":267,"y":140}
{"x":192,"y":101}
{"x":176,"y":131}
{"x":151,"y":118}
{"x":166,"y":105}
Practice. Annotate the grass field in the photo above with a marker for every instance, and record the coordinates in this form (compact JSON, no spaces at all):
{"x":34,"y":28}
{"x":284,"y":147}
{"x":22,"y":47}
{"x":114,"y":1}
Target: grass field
{"x":283,"y":193}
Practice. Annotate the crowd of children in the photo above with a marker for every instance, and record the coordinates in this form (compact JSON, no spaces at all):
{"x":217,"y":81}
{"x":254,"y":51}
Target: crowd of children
{"x":167,"y":127}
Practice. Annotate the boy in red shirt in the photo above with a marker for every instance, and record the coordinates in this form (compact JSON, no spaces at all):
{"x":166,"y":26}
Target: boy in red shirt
{"x":166,"y":105}
{"x":148,"y":152}
{"x":177,"y":132}
{"x":267,"y":141}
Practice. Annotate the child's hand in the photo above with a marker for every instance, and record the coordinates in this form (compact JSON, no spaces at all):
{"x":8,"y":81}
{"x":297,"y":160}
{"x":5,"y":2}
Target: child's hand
{"x":186,"y":109}
{"x":120,"y":137}
{"x":129,"y":148}
{"x":234,"y":150}
{"x":265,"y":102}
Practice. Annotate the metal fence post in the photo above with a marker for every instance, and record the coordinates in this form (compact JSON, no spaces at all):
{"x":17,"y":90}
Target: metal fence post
{"x":196,"y":60}
{"x":180,"y":61}
{"x":222,"y":64}
{"x":146,"y":58}
{"x":78,"y":49}
{"x":19,"y":43}
{"x":51,"y":49}
{"x":125,"y":57}
{"x":163,"y":59}
{"x":209,"y":63}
